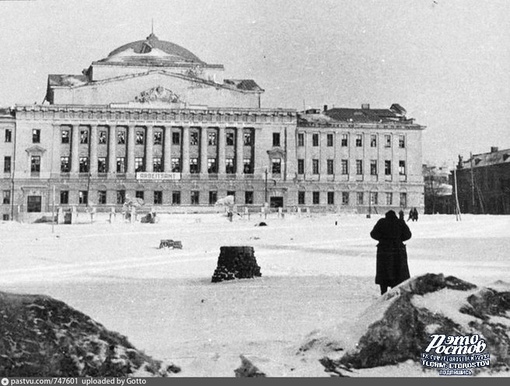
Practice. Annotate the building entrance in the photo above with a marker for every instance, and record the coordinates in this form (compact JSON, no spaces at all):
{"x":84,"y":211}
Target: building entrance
{"x":276,"y":202}
{"x":34,"y":204}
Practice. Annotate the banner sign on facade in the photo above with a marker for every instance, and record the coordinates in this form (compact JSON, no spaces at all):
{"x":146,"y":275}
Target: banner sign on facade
{"x":148,"y":176}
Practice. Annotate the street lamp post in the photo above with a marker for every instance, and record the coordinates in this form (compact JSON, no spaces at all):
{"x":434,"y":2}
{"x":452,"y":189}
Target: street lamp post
{"x":265,"y":189}
{"x":369,"y":215}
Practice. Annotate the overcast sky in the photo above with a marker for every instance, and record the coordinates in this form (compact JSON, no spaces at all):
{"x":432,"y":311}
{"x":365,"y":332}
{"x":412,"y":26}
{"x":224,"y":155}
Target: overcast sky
{"x":446,"y":61}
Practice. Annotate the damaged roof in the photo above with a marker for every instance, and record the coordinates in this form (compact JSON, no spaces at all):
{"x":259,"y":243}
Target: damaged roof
{"x":362,"y":115}
{"x":244,"y":84}
{"x":488,"y":159}
{"x":395,"y":113}
{"x":63,"y":80}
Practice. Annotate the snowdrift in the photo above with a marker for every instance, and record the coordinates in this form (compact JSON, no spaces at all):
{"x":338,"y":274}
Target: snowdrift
{"x":44,"y":337}
{"x":398,"y":326}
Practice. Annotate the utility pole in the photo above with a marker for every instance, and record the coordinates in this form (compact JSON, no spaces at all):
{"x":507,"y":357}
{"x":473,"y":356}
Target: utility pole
{"x":369,"y":204}
{"x":53,"y":212}
{"x":265,"y":191}
{"x":457,"y":207}
{"x":472,"y":183}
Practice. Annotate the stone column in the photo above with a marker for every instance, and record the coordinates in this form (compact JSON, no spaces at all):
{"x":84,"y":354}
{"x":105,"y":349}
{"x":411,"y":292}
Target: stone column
{"x":203,"y":151}
{"x":149,"y":145}
{"x":185,"y":150}
{"x":259,"y":154}
{"x":308,"y":154}
{"x":130,"y":152}
{"x":239,"y":151}
{"x":75,"y":141}
{"x":167,"y":150}
{"x":323,"y":163}
{"x":338,"y":156}
{"x":221,"y":151}
{"x":112,"y":151}
{"x":93,"y":150}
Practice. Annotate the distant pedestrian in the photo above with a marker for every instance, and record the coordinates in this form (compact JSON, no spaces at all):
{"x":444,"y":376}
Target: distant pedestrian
{"x":415,"y":214}
{"x":391,"y":266}
{"x":401,"y":215}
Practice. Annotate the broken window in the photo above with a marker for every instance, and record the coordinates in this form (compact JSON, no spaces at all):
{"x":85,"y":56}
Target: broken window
{"x":84,"y":164}
{"x":121,"y":137}
{"x":193,"y":165}
{"x":83,"y":197}
{"x":156,"y":165}
{"x":176,"y":138}
{"x":64,"y":165}
{"x":158,"y":138}
{"x":84,"y":136}
{"x":193,"y":138}
{"x":247,"y":138}
{"x":211,"y":138}
{"x":211,"y":166}
{"x":139,"y":137}
{"x":247,"y":166}
{"x":229,"y":138}
{"x":139,"y":164}
{"x":121,"y":164}
{"x":229,"y":166}
{"x":65,"y":136}
{"x":101,"y":165}
{"x":276,"y":166}
{"x":36,"y":136}
{"x":176,"y":165}
{"x":102,"y":137}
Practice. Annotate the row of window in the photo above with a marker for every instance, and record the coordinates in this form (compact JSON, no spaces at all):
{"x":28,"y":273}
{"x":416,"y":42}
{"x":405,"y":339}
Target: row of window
{"x":212,"y":139}
{"x":344,"y":140}
{"x":330,"y":169}
{"x":102,"y":139}
{"x":212,"y":166}
{"x":176,"y":167}
{"x":157,"y":197}
{"x":372,"y":198}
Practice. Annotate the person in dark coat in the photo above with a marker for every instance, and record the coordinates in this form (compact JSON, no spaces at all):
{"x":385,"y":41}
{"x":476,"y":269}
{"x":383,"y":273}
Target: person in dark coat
{"x":392,"y":268}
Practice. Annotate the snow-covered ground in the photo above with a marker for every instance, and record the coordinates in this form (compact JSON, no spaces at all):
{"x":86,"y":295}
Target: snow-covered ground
{"x":317,"y":272}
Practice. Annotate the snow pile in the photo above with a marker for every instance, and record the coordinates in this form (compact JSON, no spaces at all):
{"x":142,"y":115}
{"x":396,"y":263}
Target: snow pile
{"x":44,"y":337}
{"x":398,"y":326}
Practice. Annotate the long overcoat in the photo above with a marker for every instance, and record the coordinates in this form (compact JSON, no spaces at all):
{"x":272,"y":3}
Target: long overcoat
{"x":391,"y":232}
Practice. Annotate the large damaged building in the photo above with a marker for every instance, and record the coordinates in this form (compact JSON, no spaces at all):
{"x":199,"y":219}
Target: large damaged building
{"x":153,"y":121}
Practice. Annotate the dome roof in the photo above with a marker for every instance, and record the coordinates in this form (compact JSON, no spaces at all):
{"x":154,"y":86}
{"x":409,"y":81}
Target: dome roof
{"x":153,"y":47}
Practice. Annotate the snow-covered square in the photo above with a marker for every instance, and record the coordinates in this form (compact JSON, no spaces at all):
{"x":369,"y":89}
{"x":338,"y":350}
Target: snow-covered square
{"x":317,"y":273}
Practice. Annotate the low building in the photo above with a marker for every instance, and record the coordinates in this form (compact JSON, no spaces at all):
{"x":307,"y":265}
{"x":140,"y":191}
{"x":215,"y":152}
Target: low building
{"x":438,"y":190}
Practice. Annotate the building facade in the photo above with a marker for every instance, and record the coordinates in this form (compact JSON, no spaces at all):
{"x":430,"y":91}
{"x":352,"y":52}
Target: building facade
{"x":154,"y":121}
{"x":483,"y":183}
